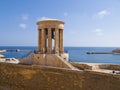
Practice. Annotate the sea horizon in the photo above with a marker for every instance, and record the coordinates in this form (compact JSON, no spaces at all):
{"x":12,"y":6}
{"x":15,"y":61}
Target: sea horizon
{"x":76,"y":54}
{"x":64,"y":46}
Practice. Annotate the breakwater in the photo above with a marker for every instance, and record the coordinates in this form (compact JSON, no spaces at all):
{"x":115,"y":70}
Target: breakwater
{"x":90,"y":52}
{"x":16,"y":50}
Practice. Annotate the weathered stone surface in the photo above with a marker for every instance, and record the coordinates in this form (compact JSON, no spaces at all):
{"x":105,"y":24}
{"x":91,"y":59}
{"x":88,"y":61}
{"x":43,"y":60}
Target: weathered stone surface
{"x":46,"y":60}
{"x":26,"y":77}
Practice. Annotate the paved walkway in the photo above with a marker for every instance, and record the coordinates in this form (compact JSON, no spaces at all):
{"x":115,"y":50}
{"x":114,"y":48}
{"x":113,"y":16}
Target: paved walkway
{"x":115,"y":72}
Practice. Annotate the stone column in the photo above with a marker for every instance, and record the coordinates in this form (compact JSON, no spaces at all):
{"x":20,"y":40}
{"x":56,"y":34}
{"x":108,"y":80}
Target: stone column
{"x":49,"y":48}
{"x":56,"y":40}
{"x":39,"y":40}
{"x":61,"y":41}
{"x":43,"y":41}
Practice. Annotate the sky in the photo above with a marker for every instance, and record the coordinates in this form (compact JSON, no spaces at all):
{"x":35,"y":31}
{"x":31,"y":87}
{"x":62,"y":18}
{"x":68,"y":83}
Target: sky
{"x":93,"y":23}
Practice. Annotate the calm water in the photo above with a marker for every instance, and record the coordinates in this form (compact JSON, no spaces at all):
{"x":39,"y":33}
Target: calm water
{"x":76,"y":54}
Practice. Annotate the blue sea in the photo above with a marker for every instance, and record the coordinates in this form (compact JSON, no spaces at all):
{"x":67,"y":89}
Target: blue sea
{"x":76,"y":54}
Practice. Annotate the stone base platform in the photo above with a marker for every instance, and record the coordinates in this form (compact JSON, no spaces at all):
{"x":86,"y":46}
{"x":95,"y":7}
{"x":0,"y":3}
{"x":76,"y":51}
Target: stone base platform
{"x":54,"y":60}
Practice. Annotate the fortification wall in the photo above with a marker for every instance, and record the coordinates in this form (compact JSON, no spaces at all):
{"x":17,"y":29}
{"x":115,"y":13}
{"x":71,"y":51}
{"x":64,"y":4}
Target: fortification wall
{"x":110,"y":66}
{"x":27,"y":77}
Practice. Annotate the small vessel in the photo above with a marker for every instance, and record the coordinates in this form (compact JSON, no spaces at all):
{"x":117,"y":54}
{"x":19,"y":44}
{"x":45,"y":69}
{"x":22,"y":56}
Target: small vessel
{"x":2,"y":56}
{"x":1,"y":51}
{"x":90,"y":52}
{"x":12,"y":60}
{"x":93,"y":52}
{"x":8,"y":60}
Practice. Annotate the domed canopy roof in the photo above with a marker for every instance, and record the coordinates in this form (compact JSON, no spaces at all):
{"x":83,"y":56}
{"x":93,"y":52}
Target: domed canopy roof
{"x":50,"y":20}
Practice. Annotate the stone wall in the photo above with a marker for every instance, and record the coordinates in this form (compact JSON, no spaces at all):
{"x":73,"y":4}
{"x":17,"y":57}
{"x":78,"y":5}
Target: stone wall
{"x":48,"y":60}
{"x":27,"y":77}
{"x":27,"y":60}
{"x":110,"y":66}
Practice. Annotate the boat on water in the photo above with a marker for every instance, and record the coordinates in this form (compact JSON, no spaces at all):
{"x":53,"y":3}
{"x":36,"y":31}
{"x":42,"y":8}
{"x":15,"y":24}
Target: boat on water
{"x":1,"y":51}
{"x":8,"y":60}
{"x":2,"y":56}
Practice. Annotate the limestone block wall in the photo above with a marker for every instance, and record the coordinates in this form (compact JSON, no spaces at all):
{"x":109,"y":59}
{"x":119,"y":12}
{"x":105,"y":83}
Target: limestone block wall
{"x":48,"y":60}
{"x":110,"y":66}
{"x":106,"y":66}
{"x":65,"y":56}
{"x":27,"y":60}
{"x":95,"y":67}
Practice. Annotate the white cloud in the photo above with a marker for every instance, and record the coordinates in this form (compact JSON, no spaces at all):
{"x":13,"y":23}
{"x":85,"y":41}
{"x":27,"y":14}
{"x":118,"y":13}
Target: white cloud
{"x":65,"y":14}
{"x":45,"y":18}
{"x":23,"y":26}
{"x":99,"y":32}
{"x":25,"y":17}
{"x":42,"y":18}
{"x":103,"y":13}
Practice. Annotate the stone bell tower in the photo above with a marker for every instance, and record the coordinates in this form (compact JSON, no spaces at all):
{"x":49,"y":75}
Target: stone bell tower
{"x":50,"y":36}
{"x":50,"y":46}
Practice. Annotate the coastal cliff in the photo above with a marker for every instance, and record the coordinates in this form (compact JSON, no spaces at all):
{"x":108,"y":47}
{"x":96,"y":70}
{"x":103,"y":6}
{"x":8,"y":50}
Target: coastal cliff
{"x":27,"y":77}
